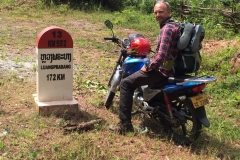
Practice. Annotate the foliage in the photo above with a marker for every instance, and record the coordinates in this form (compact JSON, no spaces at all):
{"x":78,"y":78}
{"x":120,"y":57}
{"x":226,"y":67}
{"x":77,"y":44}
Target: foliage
{"x":147,"y":6}
{"x":32,"y":136}
{"x":87,"y":5}
{"x":228,"y":83}
{"x":209,"y":19}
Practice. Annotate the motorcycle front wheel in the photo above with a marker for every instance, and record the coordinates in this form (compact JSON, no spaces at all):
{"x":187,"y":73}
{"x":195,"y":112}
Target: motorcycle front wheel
{"x":189,"y":130}
{"x":113,"y":86}
{"x":109,"y":99}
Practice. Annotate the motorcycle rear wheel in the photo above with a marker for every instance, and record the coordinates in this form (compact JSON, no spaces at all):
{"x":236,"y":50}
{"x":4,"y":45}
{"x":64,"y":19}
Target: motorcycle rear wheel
{"x":185,"y":133}
{"x":109,"y":99}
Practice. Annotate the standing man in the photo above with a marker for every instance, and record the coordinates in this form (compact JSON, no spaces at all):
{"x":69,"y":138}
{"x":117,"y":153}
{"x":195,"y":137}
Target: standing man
{"x":152,"y":73}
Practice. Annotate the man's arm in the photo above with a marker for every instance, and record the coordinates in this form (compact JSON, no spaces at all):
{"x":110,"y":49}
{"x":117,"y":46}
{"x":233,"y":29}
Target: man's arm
{"x":163,"y":51}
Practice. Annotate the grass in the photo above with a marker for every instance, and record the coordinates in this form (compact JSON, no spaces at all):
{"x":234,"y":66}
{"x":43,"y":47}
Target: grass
{"x":36,"y":137}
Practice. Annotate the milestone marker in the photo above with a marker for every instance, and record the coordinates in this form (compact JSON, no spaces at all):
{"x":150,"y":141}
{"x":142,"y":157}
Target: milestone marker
{"x":54,"y":49}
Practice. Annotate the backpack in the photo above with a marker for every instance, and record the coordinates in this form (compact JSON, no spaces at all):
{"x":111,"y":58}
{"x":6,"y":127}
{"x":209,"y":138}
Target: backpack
{"x":189,"y":59}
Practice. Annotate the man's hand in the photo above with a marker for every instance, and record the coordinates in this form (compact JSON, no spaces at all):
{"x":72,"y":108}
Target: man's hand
{"x":144,"y":69}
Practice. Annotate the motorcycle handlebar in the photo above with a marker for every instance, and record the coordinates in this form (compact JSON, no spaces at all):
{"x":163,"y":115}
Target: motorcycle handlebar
{"x":113,"y":39}
{"x":108,"y":38}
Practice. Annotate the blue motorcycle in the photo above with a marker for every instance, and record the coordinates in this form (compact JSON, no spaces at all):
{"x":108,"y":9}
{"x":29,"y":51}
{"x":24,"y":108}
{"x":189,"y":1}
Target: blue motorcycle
{"x":178,"y":104}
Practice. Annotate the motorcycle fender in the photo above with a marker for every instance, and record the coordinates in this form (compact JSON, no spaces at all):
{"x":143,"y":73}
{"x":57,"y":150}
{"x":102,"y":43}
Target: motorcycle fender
{"x":201,"y":116}
{"x":116,"y":81}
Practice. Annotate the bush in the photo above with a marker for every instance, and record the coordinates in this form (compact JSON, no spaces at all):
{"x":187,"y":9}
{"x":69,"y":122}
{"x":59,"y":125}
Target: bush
{"x":147,"y":6}
{"x":113,"y":5}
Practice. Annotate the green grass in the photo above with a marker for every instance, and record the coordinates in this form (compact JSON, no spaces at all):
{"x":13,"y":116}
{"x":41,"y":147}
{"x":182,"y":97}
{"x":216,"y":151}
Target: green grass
{"x":35,"y":137}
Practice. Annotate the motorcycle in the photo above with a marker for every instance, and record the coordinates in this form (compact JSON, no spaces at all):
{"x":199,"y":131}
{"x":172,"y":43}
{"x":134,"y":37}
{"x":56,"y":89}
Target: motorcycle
{"x":178,"y":104}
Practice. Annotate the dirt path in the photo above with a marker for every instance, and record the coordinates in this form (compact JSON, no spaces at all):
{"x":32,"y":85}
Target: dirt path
{"x":18,"y":58}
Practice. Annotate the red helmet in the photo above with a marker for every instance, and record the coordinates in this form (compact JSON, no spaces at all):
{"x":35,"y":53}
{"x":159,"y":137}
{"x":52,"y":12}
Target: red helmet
{"x":139,"y":46}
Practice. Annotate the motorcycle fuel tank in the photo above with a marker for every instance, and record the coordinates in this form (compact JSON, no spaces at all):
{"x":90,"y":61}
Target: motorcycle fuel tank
{"x":133,"y":64}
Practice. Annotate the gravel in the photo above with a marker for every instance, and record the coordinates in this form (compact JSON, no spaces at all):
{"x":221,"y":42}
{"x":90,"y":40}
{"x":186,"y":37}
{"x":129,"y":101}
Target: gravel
{"x":21,"y":69}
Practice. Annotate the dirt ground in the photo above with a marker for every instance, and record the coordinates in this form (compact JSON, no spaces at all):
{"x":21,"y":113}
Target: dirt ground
{"x":24,"y":69}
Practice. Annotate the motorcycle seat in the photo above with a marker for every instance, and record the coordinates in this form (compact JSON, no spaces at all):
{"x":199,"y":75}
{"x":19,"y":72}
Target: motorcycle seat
{"x":171,"y":80}
{"x":158,"y":84}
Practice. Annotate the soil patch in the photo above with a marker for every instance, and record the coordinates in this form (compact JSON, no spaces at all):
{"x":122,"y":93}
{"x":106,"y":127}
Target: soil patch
{"x":211,"y":46}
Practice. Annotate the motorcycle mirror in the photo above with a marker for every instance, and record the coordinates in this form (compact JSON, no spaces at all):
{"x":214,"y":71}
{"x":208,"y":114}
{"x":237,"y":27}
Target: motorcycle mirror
{"x":109,"y":24}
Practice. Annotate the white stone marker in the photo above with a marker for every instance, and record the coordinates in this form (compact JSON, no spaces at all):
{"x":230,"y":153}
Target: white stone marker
{"x":54,"y":49}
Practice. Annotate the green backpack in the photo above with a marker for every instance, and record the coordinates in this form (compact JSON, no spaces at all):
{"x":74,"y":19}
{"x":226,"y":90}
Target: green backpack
{"x":189,"y":59}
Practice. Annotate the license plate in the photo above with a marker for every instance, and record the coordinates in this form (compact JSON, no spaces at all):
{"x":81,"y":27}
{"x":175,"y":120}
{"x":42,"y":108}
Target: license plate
{"x":199,"y":100}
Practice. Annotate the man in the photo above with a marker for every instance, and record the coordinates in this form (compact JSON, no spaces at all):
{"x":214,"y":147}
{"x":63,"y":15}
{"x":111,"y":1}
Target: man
{"x":152,"y":73}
